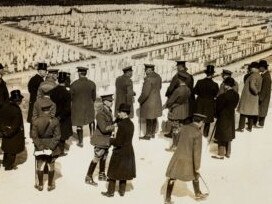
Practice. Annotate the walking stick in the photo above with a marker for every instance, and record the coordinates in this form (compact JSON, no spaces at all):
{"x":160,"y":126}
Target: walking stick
{"x":206,"y":186}
{"x":212,"y":135}
{"x":140,"y":125}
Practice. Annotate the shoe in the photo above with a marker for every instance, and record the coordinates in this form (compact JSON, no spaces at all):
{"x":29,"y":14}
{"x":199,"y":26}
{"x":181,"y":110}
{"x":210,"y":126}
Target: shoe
{"x":102,"y":176}
{"x":80,"y":144}
{"x":63,"y":154}
{"x":121,"y":193}
{"x":239,"y":130}
{"x":227,"y":155}
{"x":201,"y":196}
{"x":249,"y":130}
{"x":146,"y":137}
{"x":169,"y":135}
{"x":89,"y":180}
{"x":171,"y":149}
{"x":40,"y":188}
{"x":217,"y":157}
{"x":107,"y":194}
{"x":51,"y":188}
{"x":257,"y":126}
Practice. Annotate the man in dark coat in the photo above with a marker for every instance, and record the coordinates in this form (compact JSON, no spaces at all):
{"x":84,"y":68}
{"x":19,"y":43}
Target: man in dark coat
{"x":178,"y":105}
{"x":182,"y":70}
{"x":33,"y":86}
{"x":104,"y":130}
{"x":12,"y":129}
{"x":122,"y":163}
{"x":124,"y":90}
{"x":83,"y":93}
{"x":150,"y":101}
{"x":4,"y":94}
{"x":62,"y":98}
{"x":185,"y":162}
{"x":265,"y":93}
{"x":206,"y":90}
{"x":225,"y":113}
{"x":225,"y":74}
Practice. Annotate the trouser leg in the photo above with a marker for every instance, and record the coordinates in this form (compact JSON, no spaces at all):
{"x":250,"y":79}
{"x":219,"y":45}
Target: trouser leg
{"x":250,"y":122}
{"x":170,"y":186}
{"x":122,"y":187}
{"x":148,"y":127}
{"x":228,"y":149}
{"x":9,"y":161}
{"x":80,"y":136}
{"x":242,"y":122}
{"x":92,"y":128}
{"x":221,"y":149}
{"x":261,"y":121}
{"x":206,"y":129}
{"x":153,"y":127}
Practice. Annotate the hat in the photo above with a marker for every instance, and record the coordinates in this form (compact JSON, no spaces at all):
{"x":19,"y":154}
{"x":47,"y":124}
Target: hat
{"x":209,"y":69}
{"x":227,"y":72}
{"x":62,"y":75}
{"x":45,"y":88}
{"x":180,"y":62}
{"x":254,"y":65}
{"x":127,"y":69}
{"x":46,"y":108}
{"x":1,"y":66}
{"x":53,"y":71}
{"x":147,"y":66}
{"x":107,"y":97}
{"x":229,"y":82}
{"x":82,"y":69}
{"x":16,"y":95}
{"x":182,"y":76}
{"x":124,"y":108}
{"x":199,"y":117}
{"x":263,"y":63}
{"x":42,"y":66}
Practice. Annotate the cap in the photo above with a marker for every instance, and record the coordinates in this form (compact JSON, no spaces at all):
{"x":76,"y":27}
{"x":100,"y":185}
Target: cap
{"x":254,"y":65}
{"x":46,"y":108}
{"x":209,"y":69}
{"x":180,"y":62}
{"x":229,"y":82}
{"x":147,"y":66}
{"x":82,"y":69}
{"x":199,"y":117}
{"x":124,"y":108}
{"x":227,"y":72}
{"x":46,"y":87}
{"x":53,"y":71}
{"x":263,"y":63}
{"x":16,"y":95}
{"x":127,"y":69}
{"x":107,"y":97}
{"x":42,"y":66}
{"x":62,"y":75}
{"x":1,"y":66}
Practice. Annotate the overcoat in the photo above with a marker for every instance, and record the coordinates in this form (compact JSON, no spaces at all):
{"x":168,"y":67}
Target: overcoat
{"x":249,"y":101}
{"x":122,"y":163}
{"x":124,"y":94}
{"x":83,"y":93}
{"x":186,"y":159}
{"x":41,"y":102}
{"x":265,"y":93}
{"x":206,"y":90}
{"x":12,"y":125}
{"x":178,"y":103}
{"x":150,"y":98}
{"x":33,"y":86}
{"x":62,"y":98}
{"x":225,"y":113}
{"x":4,"y":94}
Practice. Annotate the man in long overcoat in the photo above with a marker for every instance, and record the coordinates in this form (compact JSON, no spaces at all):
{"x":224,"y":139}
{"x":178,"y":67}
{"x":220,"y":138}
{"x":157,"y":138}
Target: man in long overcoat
{"x":33,"y":86}
{"x":124,"y":90}
{"x":249,"y":102}
{"x":62,"y":98}
{"x":185,"y":162}
{"x":150,"y":101}
{"x":225,"y":74}
{"x":4,"y":94}
{"x":206,"y":90}
{"x":265,"y":93}
{"x":225,"y":113}
{"x":12,"y":129}
{"x":83,"y":93}
{"x":178,"y":105}
{"x":122,"y":163}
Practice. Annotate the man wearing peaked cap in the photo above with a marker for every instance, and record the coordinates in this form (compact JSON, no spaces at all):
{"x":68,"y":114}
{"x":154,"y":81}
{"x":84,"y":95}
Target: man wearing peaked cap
{"x":124,"y":90}
{"x":150,"y":101}
{"x":103,"y":132}
{"x":206,"y":90}
{"x":62,"y":98}
{"x":12,"y":129}
{"x":225,"y":74}
{"x":4,"y":94}
{"x":249,"y":102}
{"x":50,"y":81}
{"x":33,"y":86}
{"x":83,"y":95}
{"x":149,"y":66}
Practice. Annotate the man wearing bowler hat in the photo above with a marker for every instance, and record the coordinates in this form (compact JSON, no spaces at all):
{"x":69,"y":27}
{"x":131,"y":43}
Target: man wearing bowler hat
{"x":50,"y":81}
{"x":206,"y":90}
{"x":83,"y":95}
{"x":33,"y":86}
{"x":226,"y":74}
{"x":150,"y":101}
{"x":62,"y":98}
{"x":124,"y":90}
{"x":12,"y":129}
{"x":4,"y":94}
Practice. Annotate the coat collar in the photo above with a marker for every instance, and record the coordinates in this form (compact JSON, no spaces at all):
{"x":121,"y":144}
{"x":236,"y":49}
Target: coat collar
{"x":107,"y":111}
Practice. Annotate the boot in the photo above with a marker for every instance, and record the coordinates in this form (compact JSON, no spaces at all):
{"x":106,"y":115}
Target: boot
{"x":89,"y":176}
{"x":80,"y":137}
{"x":198,"y":194}
{"x":148,"y":133}
{"x":153,"y":127}
{"x":51,"y":185}
{"x":40,"y":180}
{"x":169,"y":190}
{"x":111,"y":189}
{"x":102,"y":176}
{"x":122,"y":187}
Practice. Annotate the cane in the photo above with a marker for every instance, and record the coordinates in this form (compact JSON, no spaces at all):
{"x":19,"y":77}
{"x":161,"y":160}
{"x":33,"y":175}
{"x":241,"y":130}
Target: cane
{"x":35,"y":169}
{"x":212,"y":135}
{"x":205,"y":184}
{"x":140,"y":125}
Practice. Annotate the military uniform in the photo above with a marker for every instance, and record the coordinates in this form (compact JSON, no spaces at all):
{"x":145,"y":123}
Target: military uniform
{"x":37,"y":109}
{"x":49,"y":82}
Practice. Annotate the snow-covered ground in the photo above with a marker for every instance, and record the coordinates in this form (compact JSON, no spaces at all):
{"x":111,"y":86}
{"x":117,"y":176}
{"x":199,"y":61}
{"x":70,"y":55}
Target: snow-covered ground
{"x":244,"y":178}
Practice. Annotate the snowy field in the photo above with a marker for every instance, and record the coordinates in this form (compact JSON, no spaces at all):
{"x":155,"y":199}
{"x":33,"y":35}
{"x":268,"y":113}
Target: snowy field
{"x":244,"y":178}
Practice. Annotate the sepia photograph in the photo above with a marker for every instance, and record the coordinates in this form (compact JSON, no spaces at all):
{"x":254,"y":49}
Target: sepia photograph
{"x":140,"y":101}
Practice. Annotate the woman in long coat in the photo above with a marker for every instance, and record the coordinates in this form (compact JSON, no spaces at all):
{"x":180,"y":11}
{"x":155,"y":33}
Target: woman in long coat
{"x":225,"y":113}
{"x":122,"y":163}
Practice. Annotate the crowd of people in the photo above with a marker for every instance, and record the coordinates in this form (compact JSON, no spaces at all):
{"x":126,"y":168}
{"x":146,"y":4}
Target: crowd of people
{"x":56,"y":105}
